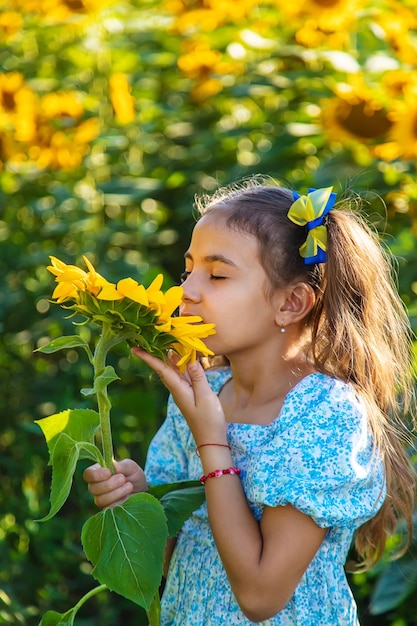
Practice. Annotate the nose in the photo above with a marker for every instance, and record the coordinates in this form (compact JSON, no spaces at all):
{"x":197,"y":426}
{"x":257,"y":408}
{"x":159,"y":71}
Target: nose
{"x":191,"y":290}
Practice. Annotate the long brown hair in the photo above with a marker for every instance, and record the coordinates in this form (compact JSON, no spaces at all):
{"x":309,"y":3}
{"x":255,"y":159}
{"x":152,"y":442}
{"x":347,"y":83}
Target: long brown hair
{"x":360,"y":331}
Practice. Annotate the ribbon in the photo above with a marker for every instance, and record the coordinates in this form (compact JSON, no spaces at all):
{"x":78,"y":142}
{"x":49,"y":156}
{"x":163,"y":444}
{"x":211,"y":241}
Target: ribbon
{"x":310,"y":211}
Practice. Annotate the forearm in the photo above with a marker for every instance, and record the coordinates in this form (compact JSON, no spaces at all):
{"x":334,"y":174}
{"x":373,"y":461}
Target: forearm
{"x":240,"y":542}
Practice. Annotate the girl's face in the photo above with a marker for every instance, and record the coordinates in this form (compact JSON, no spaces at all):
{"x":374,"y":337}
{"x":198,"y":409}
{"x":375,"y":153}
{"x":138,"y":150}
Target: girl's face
{"x":225,"y":283}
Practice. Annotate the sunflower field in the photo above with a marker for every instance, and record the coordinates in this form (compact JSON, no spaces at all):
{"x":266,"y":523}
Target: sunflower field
{"x":114,"y":114}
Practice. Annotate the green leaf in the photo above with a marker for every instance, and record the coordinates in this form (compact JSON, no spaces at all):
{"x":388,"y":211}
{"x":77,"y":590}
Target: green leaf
{"x":70,"y":437}
{"x":158,"y":491}
{"x":52,"y":618}
{"x":398,"y":582}
{"x":79,"y":424}
{"x":107,"y":376}
{"x":71,"y":341}
{"x":179,"y":500}
{"x":126,"y":545}
{"x":179,"y":505}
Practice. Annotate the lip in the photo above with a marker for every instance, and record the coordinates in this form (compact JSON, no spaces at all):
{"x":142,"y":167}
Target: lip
{"x":188,"y":314}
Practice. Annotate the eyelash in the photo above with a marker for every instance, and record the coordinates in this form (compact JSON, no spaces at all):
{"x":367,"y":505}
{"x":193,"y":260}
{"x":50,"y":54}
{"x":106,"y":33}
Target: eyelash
{"x":185,"y":275}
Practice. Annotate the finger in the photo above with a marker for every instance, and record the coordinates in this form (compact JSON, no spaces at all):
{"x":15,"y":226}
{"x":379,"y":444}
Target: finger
{"x":96,"y":473}
{"x":198,"y":380}
{"x":167,"y":373}
{"x":115,"y":497}
{"x":106,"y":486}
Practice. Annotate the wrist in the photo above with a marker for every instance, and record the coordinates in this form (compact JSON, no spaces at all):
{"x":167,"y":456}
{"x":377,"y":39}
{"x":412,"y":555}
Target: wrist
{"x":215,"y":457}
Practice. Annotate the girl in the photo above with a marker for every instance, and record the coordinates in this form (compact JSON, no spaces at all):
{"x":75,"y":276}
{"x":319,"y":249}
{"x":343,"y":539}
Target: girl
{"x":297,"y":439}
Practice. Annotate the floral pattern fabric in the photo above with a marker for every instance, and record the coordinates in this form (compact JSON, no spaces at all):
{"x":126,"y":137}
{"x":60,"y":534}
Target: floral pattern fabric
{"x":316,"y":455}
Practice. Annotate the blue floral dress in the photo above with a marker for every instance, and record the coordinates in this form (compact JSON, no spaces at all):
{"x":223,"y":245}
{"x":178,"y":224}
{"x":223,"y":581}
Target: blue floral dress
{"x":316,"y":455}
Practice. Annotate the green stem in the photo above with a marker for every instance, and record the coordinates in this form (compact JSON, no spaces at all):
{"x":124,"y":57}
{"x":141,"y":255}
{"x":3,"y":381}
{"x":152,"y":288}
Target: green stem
{"x":99,"y":361}
{"x":89,"y":595}
{"x":154,"y":613}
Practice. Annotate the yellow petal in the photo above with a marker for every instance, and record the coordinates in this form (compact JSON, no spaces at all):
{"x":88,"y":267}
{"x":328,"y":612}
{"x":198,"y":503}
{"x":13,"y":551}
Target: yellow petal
{"x":156,"y":284}
{"x":64,"y":291}
{"x":109,"y":292}
{"x":129,"y":288}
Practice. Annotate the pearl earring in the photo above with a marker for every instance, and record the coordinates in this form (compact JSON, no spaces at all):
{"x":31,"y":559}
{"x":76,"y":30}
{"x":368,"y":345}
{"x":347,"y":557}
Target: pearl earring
{"x":283,"y":329}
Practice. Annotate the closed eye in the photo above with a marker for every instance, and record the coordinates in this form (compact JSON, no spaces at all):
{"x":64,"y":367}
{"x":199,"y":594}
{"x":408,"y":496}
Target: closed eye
{"x":212,"y":277}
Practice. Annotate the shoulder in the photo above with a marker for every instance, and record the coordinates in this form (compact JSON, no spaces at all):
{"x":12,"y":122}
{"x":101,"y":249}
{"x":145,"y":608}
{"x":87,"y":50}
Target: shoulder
{"x":321,"y":399}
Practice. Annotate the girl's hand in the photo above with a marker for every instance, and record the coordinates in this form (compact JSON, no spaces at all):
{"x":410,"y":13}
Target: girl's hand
{"x":110,"y":489}
{"x":192,"y":394}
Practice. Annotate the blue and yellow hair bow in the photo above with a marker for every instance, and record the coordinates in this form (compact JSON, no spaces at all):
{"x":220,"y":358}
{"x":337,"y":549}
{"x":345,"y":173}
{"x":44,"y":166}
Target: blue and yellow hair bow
{"x":309,"y":211}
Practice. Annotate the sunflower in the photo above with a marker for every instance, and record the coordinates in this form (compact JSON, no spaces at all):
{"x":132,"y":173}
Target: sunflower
{"x":397,"y":23}
{"x":62,"y":10}
{"x":18,"y":105}
{"x":202,"y":63}
{"x":355,"y":115}
{"x":207,"y":15}
{"x":11,"y":23}
{"x":141,"y":316}
{"x":327,"y":15}
{"x":402,"y":136}
{"x":122,"y":101}
{"x":61,"y":104}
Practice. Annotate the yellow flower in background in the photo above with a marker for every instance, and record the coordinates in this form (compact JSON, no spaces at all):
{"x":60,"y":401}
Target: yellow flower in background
{"x":48,"y":129}
{"x":202,"y":63}
{"x":61,"y":104}
{"x":355,"y":115}
{"x":18,"y":107}
{"x":329,"y":15}
{"x":398,"y":23}
{"x":63,"y":10}
{"x":121,"y":98}
{"x":142,"y":316}
{"x":207,"y":15}
{"x":402,"y":136}
{"x":11,"y":23}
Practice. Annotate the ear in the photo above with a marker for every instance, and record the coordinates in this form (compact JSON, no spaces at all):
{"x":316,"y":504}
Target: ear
{"x":295,"y":304}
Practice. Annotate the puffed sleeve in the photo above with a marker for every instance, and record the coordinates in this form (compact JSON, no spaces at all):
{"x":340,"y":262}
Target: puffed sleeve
{"x":171,"y":455}
{"x":167,"y":458}
{"x":320,"y":457}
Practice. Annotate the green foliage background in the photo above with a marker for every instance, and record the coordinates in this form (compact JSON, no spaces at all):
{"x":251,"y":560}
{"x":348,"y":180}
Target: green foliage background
{"x":199,"y":120}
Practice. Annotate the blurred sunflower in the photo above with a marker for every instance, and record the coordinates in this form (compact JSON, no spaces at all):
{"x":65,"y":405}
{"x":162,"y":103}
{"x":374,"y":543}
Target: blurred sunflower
{"x":61,"y":104}
{"x":17,"y":106}
{"x":11,"y":23}
{"x":207,"y":15}
{"x":202,"y":63}
{"x":396,"y":82}
{"x":61,"y":10}
{"x":122,"y":100}
{"x":325,"y":16}
{"x":398,"y":22}
{"x":62,"y":149}
{"x":402,"y":136}
{"x":355,"y":115}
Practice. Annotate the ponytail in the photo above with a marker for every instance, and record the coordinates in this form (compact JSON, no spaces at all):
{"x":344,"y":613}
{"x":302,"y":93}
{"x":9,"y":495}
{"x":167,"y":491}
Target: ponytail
{"x":361,"y":334}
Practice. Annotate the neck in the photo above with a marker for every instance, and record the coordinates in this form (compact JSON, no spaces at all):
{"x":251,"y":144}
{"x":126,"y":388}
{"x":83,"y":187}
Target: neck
{"x":259,"y":379}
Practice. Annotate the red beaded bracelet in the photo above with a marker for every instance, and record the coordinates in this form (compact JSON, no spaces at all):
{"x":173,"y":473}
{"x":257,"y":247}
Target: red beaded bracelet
{"x":218,"y":473}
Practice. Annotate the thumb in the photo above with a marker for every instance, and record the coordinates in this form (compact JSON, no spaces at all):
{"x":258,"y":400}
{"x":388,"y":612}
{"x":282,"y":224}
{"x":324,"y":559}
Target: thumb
{"x":198,"y":378}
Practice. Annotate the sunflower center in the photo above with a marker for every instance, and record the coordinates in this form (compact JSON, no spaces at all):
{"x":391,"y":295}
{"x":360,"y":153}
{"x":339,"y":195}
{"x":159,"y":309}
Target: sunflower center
{"x":327,"y":4}
{"x":75,"y":5}
{"x":360,"y":123}
{"x":8,"y":101}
